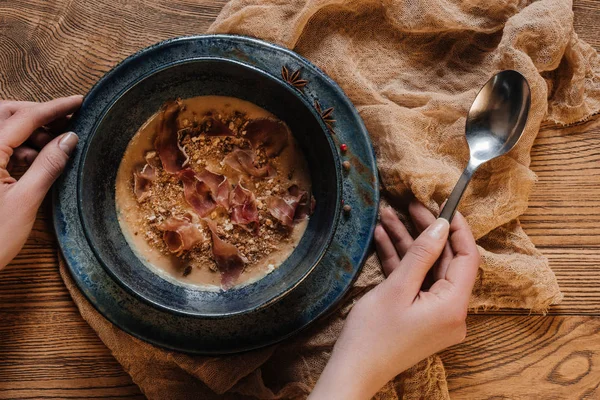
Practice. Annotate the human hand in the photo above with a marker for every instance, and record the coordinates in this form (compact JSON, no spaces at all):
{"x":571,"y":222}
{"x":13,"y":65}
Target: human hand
{"x":23,"y":142}
{"x":398,"y":324}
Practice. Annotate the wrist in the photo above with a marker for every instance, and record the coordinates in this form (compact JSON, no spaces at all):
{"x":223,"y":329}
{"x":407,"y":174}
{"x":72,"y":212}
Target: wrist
{"x":347,"y":377}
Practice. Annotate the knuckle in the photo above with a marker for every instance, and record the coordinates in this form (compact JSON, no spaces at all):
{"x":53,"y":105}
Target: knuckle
{"x":422,"y":253}
{"x":53,"y":164}
{"x":455,"y":323}
{"x":456,"y":318}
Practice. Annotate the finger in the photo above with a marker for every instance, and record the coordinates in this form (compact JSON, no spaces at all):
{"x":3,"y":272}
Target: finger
{"x":396,"y":230}
{"x":5,"y":177}
{"x":421,"y":256}
{"x":23,"y":155}
{"x":16,"y":129}
{"x":39,"y":139}
{"x":420,"y":215}
{"x":9,"y":107}
{"x":48,"y":165}
{"x":443,"y":262}
{"x":386,"y":251}
{"x":462,"y":270}
{"x":422,"y":218}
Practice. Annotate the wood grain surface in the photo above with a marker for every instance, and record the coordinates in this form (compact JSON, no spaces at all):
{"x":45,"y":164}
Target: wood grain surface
{"x":51,"y":48}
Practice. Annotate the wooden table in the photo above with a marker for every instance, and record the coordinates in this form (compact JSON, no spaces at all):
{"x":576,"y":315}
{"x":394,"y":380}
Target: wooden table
{"x":60,"y":47}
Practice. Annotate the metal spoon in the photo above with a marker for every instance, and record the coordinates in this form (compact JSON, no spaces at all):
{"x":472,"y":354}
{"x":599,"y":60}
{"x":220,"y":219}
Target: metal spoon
{"x":495,"y":124}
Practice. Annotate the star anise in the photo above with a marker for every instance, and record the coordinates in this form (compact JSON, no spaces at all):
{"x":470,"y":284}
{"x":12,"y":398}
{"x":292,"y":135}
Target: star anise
{"x":293,"y":79}
{"x":327,"y":116}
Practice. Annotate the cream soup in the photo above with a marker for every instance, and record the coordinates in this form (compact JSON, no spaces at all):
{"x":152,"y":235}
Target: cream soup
{"x":213,"y":191}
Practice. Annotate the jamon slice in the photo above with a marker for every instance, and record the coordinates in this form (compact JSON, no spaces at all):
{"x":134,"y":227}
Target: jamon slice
{"x":171,"y":155}
{"x":219,"y":186}
{"x":271,"y":134}
{"x":306,"y":202}
{"x":283,"y":208}
{"x":292,"y":207}
{"x":180,"y":234}
{"x":229,"y":261}
{"x":197,"y":193}
{"x":243,"y":208}
{"x":243,"y":162}
{"x":215,"y":127}
{"x":142,"y":182}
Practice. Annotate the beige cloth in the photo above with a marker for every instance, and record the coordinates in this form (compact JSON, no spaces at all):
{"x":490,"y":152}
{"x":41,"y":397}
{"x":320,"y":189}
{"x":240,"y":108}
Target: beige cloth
{"x":412,"y":68}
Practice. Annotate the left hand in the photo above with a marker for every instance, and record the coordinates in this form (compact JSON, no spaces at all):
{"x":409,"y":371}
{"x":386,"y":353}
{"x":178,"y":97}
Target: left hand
{"x":23,"y":142}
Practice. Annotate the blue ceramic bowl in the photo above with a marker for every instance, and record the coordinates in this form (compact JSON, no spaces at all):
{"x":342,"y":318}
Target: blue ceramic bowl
{"x":111,"y":134}
{"x":99,"y":259}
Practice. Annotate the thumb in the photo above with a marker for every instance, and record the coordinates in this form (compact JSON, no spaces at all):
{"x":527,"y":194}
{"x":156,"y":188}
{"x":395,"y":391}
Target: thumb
{"x":421,"y":256}
{"x":47,"y":166}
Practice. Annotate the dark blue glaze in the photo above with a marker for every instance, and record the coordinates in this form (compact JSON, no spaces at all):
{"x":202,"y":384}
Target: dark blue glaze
{"x":285,"y":301}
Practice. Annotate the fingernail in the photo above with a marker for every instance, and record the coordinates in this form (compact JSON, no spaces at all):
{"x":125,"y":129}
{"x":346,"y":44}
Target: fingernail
{"x":439,"y":229}
{"x":68,"y":142}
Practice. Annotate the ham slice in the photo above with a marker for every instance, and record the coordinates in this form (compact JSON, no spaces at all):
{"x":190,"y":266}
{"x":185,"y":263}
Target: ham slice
{"x":227,"y":257}
{"x":219,"y":186}
{"x":142,"y":182}
{"x":215,"y":127}
{"x":271,"y":134}
{"x":295,"y":206}
{"x":306,"y":203}
{"x":243,"y":162}
{"x":283,"y":208}
{"x":166,"y":143}
{"x":197,"y":193}
{"x":180,"y":234}
{"x":243,"y":208}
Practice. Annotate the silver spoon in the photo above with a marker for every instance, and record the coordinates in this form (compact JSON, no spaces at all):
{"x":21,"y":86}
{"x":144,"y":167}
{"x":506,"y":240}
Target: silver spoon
{"x":495,"y":124}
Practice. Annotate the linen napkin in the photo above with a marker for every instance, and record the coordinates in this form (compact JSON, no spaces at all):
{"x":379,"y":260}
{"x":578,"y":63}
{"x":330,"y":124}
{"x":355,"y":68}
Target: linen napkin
{"x":412,"y":68}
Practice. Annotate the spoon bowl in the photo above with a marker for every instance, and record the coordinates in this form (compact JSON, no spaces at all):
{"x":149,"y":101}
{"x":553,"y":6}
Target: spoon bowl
{"x":495,"y":124}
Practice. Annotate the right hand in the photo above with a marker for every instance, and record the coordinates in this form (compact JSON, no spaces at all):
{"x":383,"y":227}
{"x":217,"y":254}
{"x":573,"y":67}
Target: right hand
{"x":398,"y":324}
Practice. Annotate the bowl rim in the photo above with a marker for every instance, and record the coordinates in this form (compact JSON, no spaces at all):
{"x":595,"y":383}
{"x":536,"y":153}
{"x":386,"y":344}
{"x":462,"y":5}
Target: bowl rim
{"x":125,"y":283}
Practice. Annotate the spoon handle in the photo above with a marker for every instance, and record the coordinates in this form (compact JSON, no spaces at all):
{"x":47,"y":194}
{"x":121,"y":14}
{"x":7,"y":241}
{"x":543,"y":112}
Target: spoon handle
{"x":452,"y":203}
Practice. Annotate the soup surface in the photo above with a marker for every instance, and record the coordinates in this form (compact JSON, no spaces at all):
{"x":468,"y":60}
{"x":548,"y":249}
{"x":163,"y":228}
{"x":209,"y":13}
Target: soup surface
{"x":213,"y":191}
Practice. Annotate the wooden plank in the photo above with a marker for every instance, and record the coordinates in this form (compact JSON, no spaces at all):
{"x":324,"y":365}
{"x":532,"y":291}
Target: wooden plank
{"x":587,"y":15}
{"x":564,"y":205}
{"x":55,"y":354}
{"x":527,"y":357}
{"x":60,"y":47}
